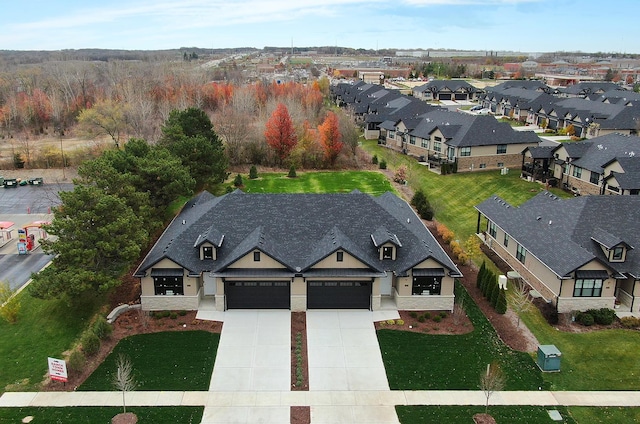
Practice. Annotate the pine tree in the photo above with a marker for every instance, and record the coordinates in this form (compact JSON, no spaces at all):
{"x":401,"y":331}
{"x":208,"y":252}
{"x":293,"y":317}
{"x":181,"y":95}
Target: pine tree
{"x":501,"y":305}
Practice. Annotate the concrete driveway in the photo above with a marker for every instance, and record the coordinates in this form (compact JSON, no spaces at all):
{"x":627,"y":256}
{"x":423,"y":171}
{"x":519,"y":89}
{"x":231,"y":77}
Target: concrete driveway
{"x":343,"y":351}
{"x":254,"y":353}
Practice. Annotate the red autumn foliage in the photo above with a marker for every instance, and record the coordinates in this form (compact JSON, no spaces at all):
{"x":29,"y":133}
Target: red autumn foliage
{"x":330,"y":138}
{"x":280,"y":133}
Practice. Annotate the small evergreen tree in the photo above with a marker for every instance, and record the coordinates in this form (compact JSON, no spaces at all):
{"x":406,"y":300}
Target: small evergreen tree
{"x":383,"y":164}
{"x":253,"y":172}
{"x":374,"y":159}
{"x":480,"y":275}
{"x":292,"y":172}
{"x":501,"y":304}
{"x":495,"y":292}
{"x":238,"y":181}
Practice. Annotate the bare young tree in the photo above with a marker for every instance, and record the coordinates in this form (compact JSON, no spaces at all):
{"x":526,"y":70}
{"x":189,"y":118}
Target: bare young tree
{"x":123,"y":379}
{"x":491,"y":381}
{"x":520,"y":301}
{"x":458,"y":312}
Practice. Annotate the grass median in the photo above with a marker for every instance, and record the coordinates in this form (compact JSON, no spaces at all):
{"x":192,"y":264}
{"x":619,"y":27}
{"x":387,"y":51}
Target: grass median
{"x":103,"y":415}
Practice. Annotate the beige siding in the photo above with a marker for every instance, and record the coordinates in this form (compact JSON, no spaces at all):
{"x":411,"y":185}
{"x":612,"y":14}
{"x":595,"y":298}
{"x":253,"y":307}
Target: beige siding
{"x":298,"y":295}
{"x":191,"y":285}
{"x":347,"y":262}
{"x":248,"y":262}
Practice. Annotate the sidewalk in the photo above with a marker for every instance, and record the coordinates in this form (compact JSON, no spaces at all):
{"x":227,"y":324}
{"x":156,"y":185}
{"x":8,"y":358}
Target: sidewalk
{"x":322,"y":398}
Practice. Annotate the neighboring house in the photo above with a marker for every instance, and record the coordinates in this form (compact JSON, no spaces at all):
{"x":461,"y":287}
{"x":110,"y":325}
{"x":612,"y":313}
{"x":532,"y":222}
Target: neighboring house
{"x":585,"y":89}
{"x":622,"y":175}
{"x":298,"y":252}
{"x":538,"y":163}
{"x":473,"y":142}
{"x":458,"y":90}
{"x":580,"y":166}
{"x":578,"y":253}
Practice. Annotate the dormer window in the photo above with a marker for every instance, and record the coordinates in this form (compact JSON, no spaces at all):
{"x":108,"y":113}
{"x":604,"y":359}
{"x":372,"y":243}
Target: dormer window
{"x":207,"y":252}
{"x":256,"y":256}
{"x":387,"y":252}
{"x":617,"y":254}
{"x":339,"y":256}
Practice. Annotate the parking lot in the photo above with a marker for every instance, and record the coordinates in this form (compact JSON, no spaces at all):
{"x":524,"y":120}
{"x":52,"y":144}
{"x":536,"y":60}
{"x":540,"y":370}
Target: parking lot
{"x":24,"y":205}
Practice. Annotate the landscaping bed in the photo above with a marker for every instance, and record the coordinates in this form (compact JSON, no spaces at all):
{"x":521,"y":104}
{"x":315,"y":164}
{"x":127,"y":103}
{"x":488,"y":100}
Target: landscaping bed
{"x":299,"y":356}
{"x":431,"y":322}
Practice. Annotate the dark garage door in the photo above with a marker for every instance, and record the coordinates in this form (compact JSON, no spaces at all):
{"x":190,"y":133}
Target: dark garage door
{"x":338,"y":295}
{"x":257,"y":294}
{"x":444,"y":96}
{"x":461,"y":96}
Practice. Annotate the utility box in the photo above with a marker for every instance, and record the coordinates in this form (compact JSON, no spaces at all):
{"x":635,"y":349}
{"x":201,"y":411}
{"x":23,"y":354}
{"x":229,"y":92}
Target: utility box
{"x":549,"y":358}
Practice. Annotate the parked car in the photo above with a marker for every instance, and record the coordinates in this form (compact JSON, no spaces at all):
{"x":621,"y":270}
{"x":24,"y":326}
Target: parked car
{"x":476,"y":107}
{"x":484,"y":111}
{"x":10,"y":183}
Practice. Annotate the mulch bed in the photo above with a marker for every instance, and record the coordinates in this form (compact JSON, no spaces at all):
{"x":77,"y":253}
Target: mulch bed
{"x":300,"y":415}
{"x":450,"y":324}
{"x":483,"y":419}
{"x":299,"y":326}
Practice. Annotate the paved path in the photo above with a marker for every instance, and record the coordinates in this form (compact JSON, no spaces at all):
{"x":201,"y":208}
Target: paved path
{"x":323,"y":398}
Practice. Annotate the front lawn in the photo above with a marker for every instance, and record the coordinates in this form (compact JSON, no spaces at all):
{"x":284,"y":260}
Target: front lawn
{"x":369,"y":182}
{"x":594,"y":360}
{"x":605,"y":415}
{"x":173,"y":360}
{"x":103,"y":415}
{"x":44,"y":328}
{"x":415,"y":361}
{"x":464,"y":414}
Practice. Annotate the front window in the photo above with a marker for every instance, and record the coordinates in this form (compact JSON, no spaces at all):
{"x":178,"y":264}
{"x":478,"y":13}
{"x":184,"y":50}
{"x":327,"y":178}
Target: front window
{"x":482,"y":166}
{"x":506,"y":240}
{"x":577,"y":171}
{"x":436,"y":146}
{"x":501,"y":149}
{"x":387,"y":252}
{"x":392,"y":134}
{"x":256,"y":256}
{"x":339,"y":256}
{"x":424,"y":143}
{"x":587,"y":288}
{"x":521,"y":253}
{"x":168,"y":286}
{"x":465,"y":151}
{"x":594,"y":178}
{"x":207,"y":252}
{"x":565,"y":168}
{"x":426,"y":286}
{"x":412,"y":139}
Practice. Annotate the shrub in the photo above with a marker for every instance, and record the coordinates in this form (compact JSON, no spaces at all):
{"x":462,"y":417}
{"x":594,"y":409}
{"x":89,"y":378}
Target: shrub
{"x":427,"y":315}
{"x":585,"y":319}
{"x":630,"y":322}
{"x":603,"y":316}
{"x":102,"y":328}
{"x":10,"y":305}
{"x":374,"y":159}
{"x":437,"y":318}
{"x":90,"y":343}
{"x":253,"y":172}
{"x":182,"y":313}
{"x":292,"y":172}
{"x":391,"y":321}
{"x":400,"y":176}
{"x":77,"y":360}
{"x":173,"y":315}
{"x":422,"y":205}
{"x":421,"y":318}
{"x":413,"y":314}
{"x":238,"y":181}
{"x":383,"y":164}
{"x":443,"y":314}
{"x":399,"y":322}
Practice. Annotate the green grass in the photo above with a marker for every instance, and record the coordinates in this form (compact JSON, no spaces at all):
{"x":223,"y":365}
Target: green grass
{"x":181,"y":360}
{"x":605,"y":415}
{"x":103,"y":415}
{"x":464,"y":414}
{"x":596,"y":360}
{"x":369,"y":182}
{"x":454,"y":196}
{"x":415,"y":361}
{"x":44,"y":328}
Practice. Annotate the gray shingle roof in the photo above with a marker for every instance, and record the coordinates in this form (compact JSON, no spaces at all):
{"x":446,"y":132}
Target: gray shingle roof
{"x":595,"y":153}
{"x":546,"y":225}
{"x":297,"y":230}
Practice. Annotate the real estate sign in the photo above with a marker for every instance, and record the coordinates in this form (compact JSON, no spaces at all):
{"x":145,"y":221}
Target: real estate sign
{"x":57,"y":369}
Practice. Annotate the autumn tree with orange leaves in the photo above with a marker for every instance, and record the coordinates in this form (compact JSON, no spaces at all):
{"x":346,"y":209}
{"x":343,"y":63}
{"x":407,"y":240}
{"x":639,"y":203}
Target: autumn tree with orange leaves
{"x":330,"y":138}
{"x":280,"y":133}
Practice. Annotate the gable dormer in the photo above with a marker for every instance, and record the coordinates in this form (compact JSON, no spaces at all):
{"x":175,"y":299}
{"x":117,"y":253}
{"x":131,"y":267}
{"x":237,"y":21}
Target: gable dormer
{"x":614,"y":248}
{"x":387,"y":243}
{"x":208,"y":244}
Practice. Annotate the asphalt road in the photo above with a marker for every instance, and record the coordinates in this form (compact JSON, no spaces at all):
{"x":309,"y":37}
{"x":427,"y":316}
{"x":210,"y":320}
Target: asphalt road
{"x":17,"y":269}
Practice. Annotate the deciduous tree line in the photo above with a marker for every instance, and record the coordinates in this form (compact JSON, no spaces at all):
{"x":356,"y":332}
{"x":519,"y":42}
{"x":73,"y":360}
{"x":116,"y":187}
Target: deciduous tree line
{"x":123,"y":99}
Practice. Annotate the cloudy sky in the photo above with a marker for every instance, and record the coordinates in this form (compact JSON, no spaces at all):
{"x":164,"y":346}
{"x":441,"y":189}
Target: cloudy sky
{"x":519,"y":25}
